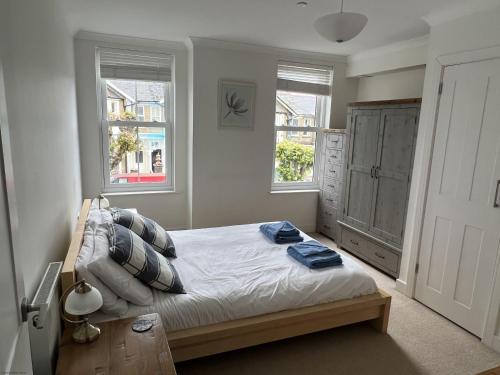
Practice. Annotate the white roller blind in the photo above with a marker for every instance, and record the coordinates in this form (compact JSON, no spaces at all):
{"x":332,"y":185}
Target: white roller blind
{"x":126,"y":64}
{"x":309,"y":80}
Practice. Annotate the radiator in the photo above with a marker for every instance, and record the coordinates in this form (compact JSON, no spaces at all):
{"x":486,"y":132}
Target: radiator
{"x":45,"y":323}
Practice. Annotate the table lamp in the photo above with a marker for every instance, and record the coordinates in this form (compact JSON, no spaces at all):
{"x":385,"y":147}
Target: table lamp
{"x":103,"y":201}
{"x":82,"y":299}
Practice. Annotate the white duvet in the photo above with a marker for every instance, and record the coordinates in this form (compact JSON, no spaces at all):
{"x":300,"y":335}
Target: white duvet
{"x":236,"y":272}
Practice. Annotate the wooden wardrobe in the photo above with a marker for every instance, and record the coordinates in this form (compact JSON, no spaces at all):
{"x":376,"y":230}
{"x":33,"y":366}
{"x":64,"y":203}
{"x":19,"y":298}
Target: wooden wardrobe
{"x":378,"y":165}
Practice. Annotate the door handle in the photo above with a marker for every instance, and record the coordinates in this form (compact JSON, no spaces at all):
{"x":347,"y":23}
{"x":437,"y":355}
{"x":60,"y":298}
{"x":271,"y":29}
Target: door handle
{"x":495,"y":202}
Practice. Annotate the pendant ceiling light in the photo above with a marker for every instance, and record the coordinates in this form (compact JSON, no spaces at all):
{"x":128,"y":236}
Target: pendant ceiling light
{"x":340,"y":27}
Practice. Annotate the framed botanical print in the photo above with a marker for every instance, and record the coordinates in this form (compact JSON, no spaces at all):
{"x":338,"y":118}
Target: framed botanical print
{"x":236,"y":104}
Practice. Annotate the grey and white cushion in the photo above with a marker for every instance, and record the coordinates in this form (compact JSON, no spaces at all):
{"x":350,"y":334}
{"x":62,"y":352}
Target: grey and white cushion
{"x":139,"y":258}
{"x":149,"y":230}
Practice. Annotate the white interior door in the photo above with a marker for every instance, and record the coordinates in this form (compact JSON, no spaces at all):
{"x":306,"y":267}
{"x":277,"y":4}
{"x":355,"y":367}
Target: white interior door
{"x":15,"y":355}
{"x":461,"y":231}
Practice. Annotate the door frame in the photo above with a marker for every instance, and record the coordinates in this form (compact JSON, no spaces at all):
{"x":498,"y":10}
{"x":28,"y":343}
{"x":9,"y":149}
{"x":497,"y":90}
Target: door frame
{"x":406,"y":283}
{"x":7,"y":170}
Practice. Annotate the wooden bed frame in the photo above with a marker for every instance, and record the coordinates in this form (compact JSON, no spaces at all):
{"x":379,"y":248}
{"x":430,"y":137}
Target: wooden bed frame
{"x":222,"y":337}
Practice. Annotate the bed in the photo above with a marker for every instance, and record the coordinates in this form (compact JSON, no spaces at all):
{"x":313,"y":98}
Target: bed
{"x":246,"y":291}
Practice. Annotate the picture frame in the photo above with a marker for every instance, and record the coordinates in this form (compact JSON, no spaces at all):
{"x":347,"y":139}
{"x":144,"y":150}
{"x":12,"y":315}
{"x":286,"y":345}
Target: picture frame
{"x":236,"y":104}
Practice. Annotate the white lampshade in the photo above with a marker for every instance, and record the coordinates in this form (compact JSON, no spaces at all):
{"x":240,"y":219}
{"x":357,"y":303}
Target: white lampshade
{"x":340,"y":27}
{"x":103,"y":201}
{"x":83,"y":303}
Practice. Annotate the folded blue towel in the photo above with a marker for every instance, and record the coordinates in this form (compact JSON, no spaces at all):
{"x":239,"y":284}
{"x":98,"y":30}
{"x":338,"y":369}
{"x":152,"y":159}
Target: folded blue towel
{"x":281,"y":232}
{"x":314,"y":255}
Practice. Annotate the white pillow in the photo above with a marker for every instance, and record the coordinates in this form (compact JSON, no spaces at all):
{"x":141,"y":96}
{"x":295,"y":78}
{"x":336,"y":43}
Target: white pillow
{"x":111,"y":303}
{"x":115,"y":276}
{"x":94,"y":217}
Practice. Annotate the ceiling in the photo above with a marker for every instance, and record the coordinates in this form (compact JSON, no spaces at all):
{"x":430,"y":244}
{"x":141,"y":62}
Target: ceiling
{"x":277,"y":23}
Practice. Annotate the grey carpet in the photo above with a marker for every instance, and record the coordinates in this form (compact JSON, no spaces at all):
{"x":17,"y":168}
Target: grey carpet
{"x":419,"y":341}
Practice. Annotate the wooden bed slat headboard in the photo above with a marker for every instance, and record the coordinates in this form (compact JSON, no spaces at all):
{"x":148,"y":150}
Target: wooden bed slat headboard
{"x":68,"y":276}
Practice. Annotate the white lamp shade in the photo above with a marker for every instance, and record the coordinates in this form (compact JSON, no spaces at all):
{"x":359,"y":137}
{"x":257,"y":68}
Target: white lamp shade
{"x":103,"y":202}
{"x":83,"y":303}
{"x":340,"y":27}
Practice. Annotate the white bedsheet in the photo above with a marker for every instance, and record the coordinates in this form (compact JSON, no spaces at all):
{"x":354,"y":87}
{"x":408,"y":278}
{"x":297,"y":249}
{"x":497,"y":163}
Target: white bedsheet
{"x":235,"y":272}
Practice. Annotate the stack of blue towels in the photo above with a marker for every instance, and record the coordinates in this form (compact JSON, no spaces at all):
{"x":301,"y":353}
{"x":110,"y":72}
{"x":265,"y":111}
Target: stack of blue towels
{"x":281,"y":232}
{"x":314,"y":254}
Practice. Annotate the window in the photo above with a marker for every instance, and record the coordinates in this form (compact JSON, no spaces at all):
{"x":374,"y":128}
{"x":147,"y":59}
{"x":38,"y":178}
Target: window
{"x":136,"y":97}
{"x":139,"y":156}
{"x":156,"y":113}
{"x":302,"y":109}
{"x":140,"y":113}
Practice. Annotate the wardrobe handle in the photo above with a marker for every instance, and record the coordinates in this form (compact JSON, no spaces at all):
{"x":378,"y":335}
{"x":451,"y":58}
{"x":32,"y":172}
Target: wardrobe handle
{"x":380,"y":256}
{"x":371,"y":172}
{"x":495,"y":202}
{"x":377,"y":169}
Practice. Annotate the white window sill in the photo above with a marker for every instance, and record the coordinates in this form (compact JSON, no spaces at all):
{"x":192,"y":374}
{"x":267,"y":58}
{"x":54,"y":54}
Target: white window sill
{"x":121,"y":193}
{"x":294,"y":191}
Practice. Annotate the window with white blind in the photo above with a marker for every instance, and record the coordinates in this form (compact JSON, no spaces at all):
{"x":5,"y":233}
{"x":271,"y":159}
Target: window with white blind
{"x":136,"y":120}
{"x":302,"y":109}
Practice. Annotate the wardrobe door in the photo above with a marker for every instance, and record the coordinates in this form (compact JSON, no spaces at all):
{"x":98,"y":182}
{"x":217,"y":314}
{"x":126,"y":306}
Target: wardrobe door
{"x":392,"y":173}
{"x":364,"y":130}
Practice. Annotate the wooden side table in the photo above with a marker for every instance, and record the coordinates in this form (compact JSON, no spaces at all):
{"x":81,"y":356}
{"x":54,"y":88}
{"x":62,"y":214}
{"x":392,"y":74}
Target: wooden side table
{"x":119,"y":350}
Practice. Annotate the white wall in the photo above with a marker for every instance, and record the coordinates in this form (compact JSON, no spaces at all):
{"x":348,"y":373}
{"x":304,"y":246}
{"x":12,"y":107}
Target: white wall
{"x":170,"y":208}
{"x":407,"y":54}
{"x":40,"y":89}
{"x":396,"y":85}
{"x":232,"y":169}
{"x":473,"y":32}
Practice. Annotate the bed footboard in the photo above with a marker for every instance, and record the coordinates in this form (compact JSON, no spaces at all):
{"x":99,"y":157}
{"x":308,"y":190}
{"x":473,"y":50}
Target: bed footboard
{"x":218,"y":338}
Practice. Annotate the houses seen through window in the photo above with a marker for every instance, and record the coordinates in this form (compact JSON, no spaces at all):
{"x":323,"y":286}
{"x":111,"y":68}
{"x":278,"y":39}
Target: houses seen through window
{"x":302,"y":109}
{"x":136,"y":151}
{"x":138,"y":145}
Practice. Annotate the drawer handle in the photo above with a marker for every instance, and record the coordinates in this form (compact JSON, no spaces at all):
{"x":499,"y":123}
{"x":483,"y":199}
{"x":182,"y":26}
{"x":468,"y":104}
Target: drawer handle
{"x":332,"y":186}
{"x":327,"y":226}
{"x":355,"y":242}
{"x":495,"y":202}
{"x":379,"y":255}
{"x":328,"y":199}
{"x":328,"y":213}
{"x":332,"y":171}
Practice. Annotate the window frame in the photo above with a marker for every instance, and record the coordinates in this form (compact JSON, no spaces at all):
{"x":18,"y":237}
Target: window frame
{"x":143,"y":110}
{"x":167,"y":125}
{"x":322,"y":117}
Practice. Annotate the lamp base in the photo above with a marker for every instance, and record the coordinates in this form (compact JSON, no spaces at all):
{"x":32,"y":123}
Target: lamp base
{"x":85,"y":332}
